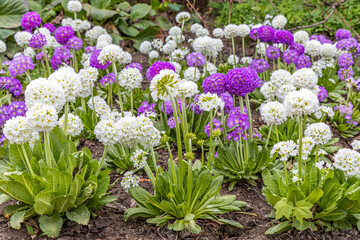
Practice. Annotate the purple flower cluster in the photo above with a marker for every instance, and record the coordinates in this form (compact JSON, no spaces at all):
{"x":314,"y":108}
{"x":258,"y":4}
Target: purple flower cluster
{"x":266,"y":33}
{"x":195,"y":59}
{"x":345,"y":60}
{"x":157,"y":67}
{"x":284,"y":37}
{"x":63,"y":34}
{"x":61,"y":54}
{"x":108,"y":78}
{"x":168,"y":107}
{"x":241,"y":81}
{"x":49,"y":27}
{"x":239,"y":122}
{"x":254,"y":34}
{"x":30,"y":20}
{"x":272,"y":52}
{"x":90,"y":49}
{"x":12,"y":85}
{"x":194,"y":107}
{"x":216,"y":126}
{"x":20,"y":64}
{"x":347,"y":111}
{"x":39,"y":56}
{"x":290,"y":56}
{"x":321,"y":38}
{"x":171,"y":122}
{"x":298,"y":47}
{"x":214,"y":83}
{"x":322,"y":94}
{"x":37,"y":41}
{"x":260,"y":65}
{"x":13,"y":110}
{"x":228,"y":101}
{"x":135,"y":65}
{"x":3,"y":138}
{"x":349,"y":44}
{"x":342,"y":34}
{"x":302,"y":61}
{"x":345,"y":73}
{"x":74,"y":43}
{"x":94,"y":61}
{"x":147,"y":109}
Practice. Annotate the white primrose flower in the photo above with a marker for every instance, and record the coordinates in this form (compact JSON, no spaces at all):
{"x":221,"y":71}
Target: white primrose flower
{"x":195,"y":27}
{"x":328,"y":50}
{"x":157,"y":43}
{"x":166,"y":80}
{"x":174,"y":31}
{"x":138,"y":158}
{"x":66,"y":22}
{"x":210,"y":68}
{"x":210,"y":101}
{"x":2,"y":47}
{"x":313,"y":48}
{"x":22,"y":38}
{"x":273,"y":113}
{"x":307,"y":145}
{"x":284,"y":90}
{"x":230,"y":59}
{"x":177,"y":67}
{"x":268,"y":90}
{"x":192,"y":74}
{"x":145,"y":47}
{"x":231,"y":31}
{"x":105,"y":38}
{"x":129,"y":180}
{"x":355,"y":145}
{"x":301,"y":37}
{"x":305,"y":78}
{"x":153,"y":54}
{"x":76,"y":25}
{"x":320,"y":132}
{"x":348,"y":161}
{"x":243,"y":30}
{"x":74,"y":125}
{"x":17,"y":130}
{"x":87,"y":76}
{"x":218,"y":33}
{"x":130,"y":78}
{"x":182,"y":17}
{"x":187,"y":89}
{"x":324,"y":111}
{"x":74,"y":6}
{"x":101,"y":107}
{"x":107,"y":132}
{"x":85,"y":25}
{"x":111,"y":115}
{"x":42,"y":117}
{"x":301,"y":102}
{"x":110,"y":53}
{"x":202,"y":32}
{"x":279,"y":22}
{"x":281,"y":77}
{"x":285,"y":149}
{"x":35,"y":136}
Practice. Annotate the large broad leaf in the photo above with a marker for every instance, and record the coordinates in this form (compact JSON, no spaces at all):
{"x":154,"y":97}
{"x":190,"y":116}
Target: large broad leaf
{"x":43,"y":205}
{"x":11,"y":12}
{"x":17,"y":191}
{"x":139,"y":11}
{"x":101,"y":14}
{"x":302,"y":210}
{"x":19,"y":217}
{"x":284,"y":208}
{"x":63,"y":203}
{"x":81,"y":215}
{"x":51,"y":226}
{"x":279,"y":228}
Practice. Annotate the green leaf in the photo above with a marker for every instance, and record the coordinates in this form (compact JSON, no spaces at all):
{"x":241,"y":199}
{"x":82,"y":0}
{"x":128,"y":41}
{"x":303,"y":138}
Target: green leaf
{"x":335,"y":215}
{"x":178,"y":225}
{"x":189,"y":217}
{"x":279,"y":228}
{"x":101,"y":14}
{"x":5,"y":33}
{"x":194,"y":227}
{"x":284,"y":208}
{"x":4,"y":198}
{"x":139,"y":10}
{"x":163,"y":23}
{"x":301,"y":225}
{"x":11,"y":12}
{"x":143,"y":24}
{"x":43,"y":205}
{"x":175,"y":7}
{"x":81,"y":215}
{"x":16,"y":191}
{"x":16,"y":219}
{"x":139,"y":212}
{"x":230,"y":222}
{"x":51,"y":226}
{"x":315,"y":195}
{"x":63,"y":203}
{"x":302,"y":210}
{"x":128,"y":30}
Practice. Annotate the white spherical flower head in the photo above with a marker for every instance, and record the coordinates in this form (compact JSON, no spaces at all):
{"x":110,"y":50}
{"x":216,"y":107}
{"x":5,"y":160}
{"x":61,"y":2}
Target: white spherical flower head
{"x":195,"y":27}
{"x":218,"y":33}
{"x":285,"y":149}
{"x":101,"y":45}
{"x":66,"y":22}
{"x":328,"y":50}
{"x":320,"y":132}
{"x":178,"y":55}
{"x":2,"y":47}
{"x":182,"y":17}
{"x":153,"y":54}
{"x":281,"y":77}
{"x":231,"y":58}
{"x":348,"y":161}
{"x":192,"y":74}
{"x":177,"y":67}
{"x":174,"y":31}
{"x":69,"y":80}
{"x":138,"y":158}
{"x":243,"y":30}
{"x":313,"y":48}
{"x":104,"y":38}
{"x":301,"y":37}
{"x":74,"y":6}
{"x":35,"y":136}
{"x":107,"y":132}
{"x":85,"y":25}
{"x":308,"y":144}
{"x":111,"y":115}
{"x":145,"y":47}
{"x":129,"y":180}
{"x":130,"y":78}
{"x":187,"y":89}
{"x":305,"y":78}
{"x":74,"y":126}
{"x":279,"y":22}
{"x":268,"y":90}
{"x":301,"y":102}
{"x":29,"y":52}
{"x":42,"y":117}
{"x":246,"y":60}
{"x":273,"y":113}
{"x":207,"y":46}
{"x":22,"y":38}
{"x":76,"y":25}
{"x":210,"y":68}
{"x":355,"y":145}
{"x":231,"y":31}
{"x":324,"y":111}
{"x":202,"y":32}
{"x":284,"y":90}
{"x":261,"y":48}
{"x":17,"y":130}
{"x":169,"y":47}
{"x":210,"y":101}
{"x":157,"y":43}
{"x":163,"y":83}
{"x":110,"y":53}
{"x":98,"y":105}
{"x":46,"y":92}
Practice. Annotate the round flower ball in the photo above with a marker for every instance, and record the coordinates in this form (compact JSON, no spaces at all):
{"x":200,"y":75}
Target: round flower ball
{"x":273,"y":52}
{"x":328,"y":50}
{"x":279,"y":22}
{"x":130,"y":78}
{"x":348,"y":161}
{"x":2,"y":47}
{"x":209,"y":101}
{"x":187,"y":89}
{"x":268,"y":90}
{"x":218,"y":33}
{"x":30,"y":20}
{"x":157,"y":67}
{"x":192,"y":74}
{"x":49,"y":27}
{"x":63,"y":34}
{"x":17,"y":130}
{"x":74,"y":6}
{"x":313,"y":48}
{"x":342,"y":34}
{"x":43,"y":91}
{"x":345,"y":60}
{"x":74,"y":126}
{"x":145,"y":47}
{"x":42,"y":117}
{"x":231,"y":31}
{"x":266,"y":33}
{"x":215,"y":83}
{"x":281,"y":77}
{"x":305,"y":78}
{"x":320,"y":132}
{"x":301,"y":37}
{"x":273,"y":112}
{"x":298,"y":47}
{"x":243,"y":30}
{"x":241,"y":81}
{"x":182,"y":17}
{"x":167,"y":80}
{"x":302,"y":61}
{"x":107,"y":132}
{"x":301,"y":102}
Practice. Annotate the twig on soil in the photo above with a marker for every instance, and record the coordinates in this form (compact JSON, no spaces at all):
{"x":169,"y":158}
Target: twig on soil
{"x":333,"y":7}
{"x":252,"y":214}
{"x":272,"y":4}
{"x":193,"y":9}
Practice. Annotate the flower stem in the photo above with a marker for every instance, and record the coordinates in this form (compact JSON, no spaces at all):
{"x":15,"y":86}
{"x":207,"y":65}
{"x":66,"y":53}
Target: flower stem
{"x":300,"y":145}
{"x":249,"y":115}
{"x":243,"y":45}
{"x":269,"y":134}
{"x":27,"y":160}
{"x":102,"y":161}
{"x":233,"y":49}
{"x":317,"y":153}
{"x":171,"y":163}
{"x":210,"y":144}
{"x":132,"y":101}
{"x":120,"y":101}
